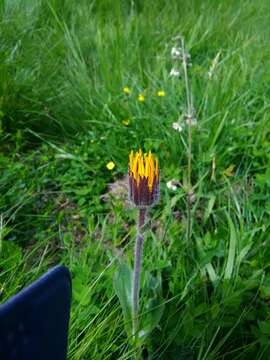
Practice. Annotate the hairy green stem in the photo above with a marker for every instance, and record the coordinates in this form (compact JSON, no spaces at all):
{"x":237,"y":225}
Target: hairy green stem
{"x":137,"y":270}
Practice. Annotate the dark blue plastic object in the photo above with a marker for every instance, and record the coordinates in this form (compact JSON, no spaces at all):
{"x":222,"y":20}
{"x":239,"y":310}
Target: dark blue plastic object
{"x":34,"y":323}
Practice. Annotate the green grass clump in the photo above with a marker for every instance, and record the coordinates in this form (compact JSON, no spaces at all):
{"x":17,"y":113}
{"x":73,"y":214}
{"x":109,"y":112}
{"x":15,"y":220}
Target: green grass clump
{"x":63,"y":67}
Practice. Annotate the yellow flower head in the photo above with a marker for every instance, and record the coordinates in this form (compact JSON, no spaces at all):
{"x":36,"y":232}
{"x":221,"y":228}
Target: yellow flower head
{"x":143,"y":178}
{"x":125,"y":122}
{"x":126,"y":90}
{"x":110,"y":165}
{"x":141,"y":98}
{"x":161,"y":93}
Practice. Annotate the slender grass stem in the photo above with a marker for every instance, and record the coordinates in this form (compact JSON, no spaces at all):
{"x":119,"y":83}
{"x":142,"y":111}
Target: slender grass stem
{"x":189,"y":118}
{"x":137,"y":270}
{"x":189,"y":178}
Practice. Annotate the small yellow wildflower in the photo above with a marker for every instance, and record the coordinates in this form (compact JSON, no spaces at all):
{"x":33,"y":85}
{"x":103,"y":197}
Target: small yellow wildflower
{"x":125,"y":122}
{"x":92,"y":141}
{"x":110,"y":165}
{"x":141,"y":98}
{"x":161,"y":93}
{"x":126,"y":90}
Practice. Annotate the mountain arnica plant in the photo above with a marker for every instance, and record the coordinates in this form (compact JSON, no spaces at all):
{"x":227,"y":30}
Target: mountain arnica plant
{"x":143,"y":193}
{"x":143,"y":177}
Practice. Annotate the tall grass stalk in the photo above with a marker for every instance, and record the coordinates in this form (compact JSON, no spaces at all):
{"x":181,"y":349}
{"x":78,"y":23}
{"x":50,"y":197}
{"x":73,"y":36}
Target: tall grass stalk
{"x":189,"y":118}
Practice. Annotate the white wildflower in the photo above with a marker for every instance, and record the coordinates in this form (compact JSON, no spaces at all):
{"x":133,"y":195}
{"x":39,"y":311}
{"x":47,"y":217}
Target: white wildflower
{"x":141,"y":333}
{"x":172,"y":185}
{"x":176,"y":126}
{"x":175,"y":53}
{"x":174,"y":72}
{"x":193,"y":121}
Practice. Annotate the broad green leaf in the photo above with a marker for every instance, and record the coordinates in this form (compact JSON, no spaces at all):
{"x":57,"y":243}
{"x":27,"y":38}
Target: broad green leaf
{"x":80,"y":292}
{"x":205,"y":260}
{"x":83,"y":191}
{"x":122,"y":283}
{"x":151,"y":316}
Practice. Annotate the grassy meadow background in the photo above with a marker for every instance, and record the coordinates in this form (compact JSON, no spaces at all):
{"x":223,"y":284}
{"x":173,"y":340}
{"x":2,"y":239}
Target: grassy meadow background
{"x":63,"y":67}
